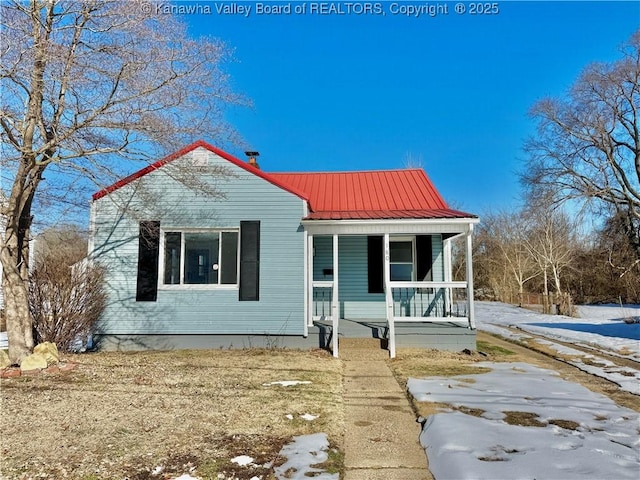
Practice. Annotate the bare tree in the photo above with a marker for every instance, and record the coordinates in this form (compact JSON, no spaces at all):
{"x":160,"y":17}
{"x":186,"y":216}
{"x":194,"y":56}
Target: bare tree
{"x":64,"y":241}
{"x":511,"y":230}
{"x":606,"y":267}
{"x":588,"y":145}
{"x":84,"y":85}
{"x":551,"y":242}
{"x":506,"y":260}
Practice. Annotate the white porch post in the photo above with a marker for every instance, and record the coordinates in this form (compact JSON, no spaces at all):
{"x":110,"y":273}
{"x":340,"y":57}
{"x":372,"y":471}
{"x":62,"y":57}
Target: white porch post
{"x":388,"y":295}
{"x":335,"y":303}
{"x":448,"y":293}
{"x":307,"y":282}
{"x":470,"y":309}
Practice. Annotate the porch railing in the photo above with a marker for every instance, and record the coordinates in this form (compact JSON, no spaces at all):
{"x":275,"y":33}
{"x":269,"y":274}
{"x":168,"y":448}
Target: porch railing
{"x":324,"y":307}
{"x":427,"y":302}
{"x":322,"y":300}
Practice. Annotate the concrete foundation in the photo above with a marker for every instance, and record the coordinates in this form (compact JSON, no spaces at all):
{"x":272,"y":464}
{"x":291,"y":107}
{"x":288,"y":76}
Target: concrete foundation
{"x":439,"y":336}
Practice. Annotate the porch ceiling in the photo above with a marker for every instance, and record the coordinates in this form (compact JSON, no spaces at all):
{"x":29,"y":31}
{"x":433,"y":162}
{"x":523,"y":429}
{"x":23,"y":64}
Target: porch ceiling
{"x":452,"y":226}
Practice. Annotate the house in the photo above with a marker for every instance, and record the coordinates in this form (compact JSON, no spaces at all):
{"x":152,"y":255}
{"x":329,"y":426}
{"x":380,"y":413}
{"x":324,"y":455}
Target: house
{"x":279,"y":259}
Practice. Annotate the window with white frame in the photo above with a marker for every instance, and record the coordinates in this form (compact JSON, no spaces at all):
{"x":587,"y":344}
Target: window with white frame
{"x":401,"y":259}
{"x":202,"y":257}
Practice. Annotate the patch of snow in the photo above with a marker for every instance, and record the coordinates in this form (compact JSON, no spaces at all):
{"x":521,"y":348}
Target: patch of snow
{"x":609,"y":311}
{"x":503,"y":332}
{"x":604,"y":443}
{"x":627,"y":378}
{"x":289,"y":416}
{"x":242,"y":460}
{"x":602,"y":332}
{"x":308,"y":417}
{"x":287,"y":383}
{"x":158,"y":470}
{"x":604,"y":329}
{"x":304,"y":451}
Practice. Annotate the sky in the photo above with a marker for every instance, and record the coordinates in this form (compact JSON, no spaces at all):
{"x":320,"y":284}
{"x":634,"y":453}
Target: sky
{"x":449,"y":92}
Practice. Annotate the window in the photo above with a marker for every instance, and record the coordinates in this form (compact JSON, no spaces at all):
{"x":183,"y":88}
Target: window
{"x":410,"y":260}
{"x":201,"y":258}
{"x":401,"y":265}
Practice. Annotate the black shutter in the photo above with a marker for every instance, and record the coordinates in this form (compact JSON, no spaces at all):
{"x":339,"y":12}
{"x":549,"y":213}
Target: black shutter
{"x":148,"y":252}
{"x":375,"y":267}
{"x":424,"y":258}
{"x":250,"y":261}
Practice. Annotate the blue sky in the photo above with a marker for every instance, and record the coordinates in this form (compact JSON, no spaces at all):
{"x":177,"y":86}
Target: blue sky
{"x":353,"y":92}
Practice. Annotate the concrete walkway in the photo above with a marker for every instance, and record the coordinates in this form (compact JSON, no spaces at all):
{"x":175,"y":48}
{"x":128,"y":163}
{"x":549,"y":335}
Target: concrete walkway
{"x":381,"y":439}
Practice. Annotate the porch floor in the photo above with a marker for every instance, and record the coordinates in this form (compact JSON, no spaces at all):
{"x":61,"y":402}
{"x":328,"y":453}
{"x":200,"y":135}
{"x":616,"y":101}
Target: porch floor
{"x":442,"y":336}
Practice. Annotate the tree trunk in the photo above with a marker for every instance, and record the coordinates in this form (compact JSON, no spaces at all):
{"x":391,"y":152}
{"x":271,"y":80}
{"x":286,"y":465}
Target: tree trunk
{"x":558,"y":293}
{"x":520,"y":295}
{"x":14,"y":256}
{"x":546,"y":307}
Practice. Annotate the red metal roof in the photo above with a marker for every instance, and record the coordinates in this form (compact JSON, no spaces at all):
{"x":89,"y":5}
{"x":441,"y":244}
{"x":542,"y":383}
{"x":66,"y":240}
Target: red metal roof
{"x":370,"y":195}
{"x":384,"y":194}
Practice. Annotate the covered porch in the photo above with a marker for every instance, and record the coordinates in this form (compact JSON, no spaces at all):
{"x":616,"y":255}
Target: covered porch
{"x":389,"y":279}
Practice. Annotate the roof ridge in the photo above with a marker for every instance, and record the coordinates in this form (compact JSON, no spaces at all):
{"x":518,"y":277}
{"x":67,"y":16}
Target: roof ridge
{"x":380,"y":170}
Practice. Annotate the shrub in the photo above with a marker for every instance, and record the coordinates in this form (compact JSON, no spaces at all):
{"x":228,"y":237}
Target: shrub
{"x":66,"y":301}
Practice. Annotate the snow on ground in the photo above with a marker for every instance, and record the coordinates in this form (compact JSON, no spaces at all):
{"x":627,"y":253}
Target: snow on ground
{"x":303,"y":455}
{"x":600,"y":327}
{"x":287,"y":383}
{"x":580,"y":434}
{"x":597,"y":439}
{"x":627,"y":378}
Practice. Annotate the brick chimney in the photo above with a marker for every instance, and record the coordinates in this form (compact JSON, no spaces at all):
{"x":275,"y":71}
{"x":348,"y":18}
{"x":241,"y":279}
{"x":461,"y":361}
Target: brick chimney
{"x":253,"y":159}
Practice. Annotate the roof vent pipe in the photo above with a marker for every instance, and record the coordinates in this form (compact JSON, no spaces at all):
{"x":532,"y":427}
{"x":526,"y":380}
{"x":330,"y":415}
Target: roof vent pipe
{"x":253,"y":158}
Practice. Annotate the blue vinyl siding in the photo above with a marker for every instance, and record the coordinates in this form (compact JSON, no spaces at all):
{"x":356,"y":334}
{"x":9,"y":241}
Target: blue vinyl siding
{"x":322,"y":257}
{"x":355,"y":300}
{"x":196,"y":310}
{"x":437,"y":257}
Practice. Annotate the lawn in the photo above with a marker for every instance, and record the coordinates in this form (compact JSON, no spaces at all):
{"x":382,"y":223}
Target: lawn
{"x":126,"y":415}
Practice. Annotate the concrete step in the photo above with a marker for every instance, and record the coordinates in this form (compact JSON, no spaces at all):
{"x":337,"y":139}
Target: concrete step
{"x":361,"y":349}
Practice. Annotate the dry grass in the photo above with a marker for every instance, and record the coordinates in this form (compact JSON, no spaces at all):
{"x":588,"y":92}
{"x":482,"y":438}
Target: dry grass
{"x":419,"y":363}
{"x":524,"y":419}
{"x":416,"y":363}
{"x":120,"y":415}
